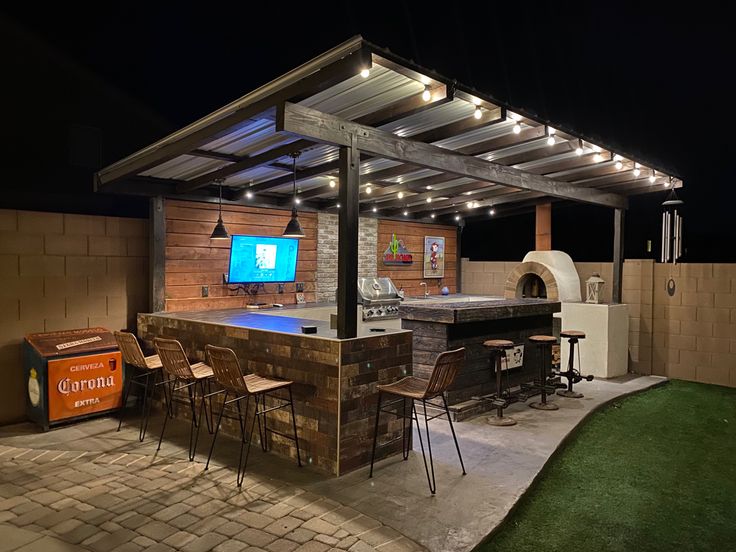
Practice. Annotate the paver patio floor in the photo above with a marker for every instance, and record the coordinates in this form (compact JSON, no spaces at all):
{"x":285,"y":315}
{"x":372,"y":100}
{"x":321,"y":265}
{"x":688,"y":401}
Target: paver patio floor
{"x":87,"y":486}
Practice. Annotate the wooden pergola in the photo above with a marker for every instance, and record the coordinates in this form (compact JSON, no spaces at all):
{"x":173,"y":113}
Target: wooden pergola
{"x":378,"y":136}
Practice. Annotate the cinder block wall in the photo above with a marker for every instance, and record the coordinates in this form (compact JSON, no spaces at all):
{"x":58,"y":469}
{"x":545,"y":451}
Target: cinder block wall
{"x":62,"y":271}
{"x":688,"y":335}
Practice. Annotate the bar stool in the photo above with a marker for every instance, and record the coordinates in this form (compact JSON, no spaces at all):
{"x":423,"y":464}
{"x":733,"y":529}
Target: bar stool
{"x":572,"y":375}
{"x":544,"y":342}
{"x":498,"y":348}
{"x":241,"y":386}
{"x":411,"y":388}
{"x":148,"y":368}
{"x":186,"y":376}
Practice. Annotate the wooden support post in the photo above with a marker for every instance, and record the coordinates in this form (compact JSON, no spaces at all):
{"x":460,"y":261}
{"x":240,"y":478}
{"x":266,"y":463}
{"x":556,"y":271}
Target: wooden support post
{"x":459,"y":260}
{"x":157,"y":249}
{"x":618,"y":255}
{"x":347,"y":243}
{"x":543,"y":234}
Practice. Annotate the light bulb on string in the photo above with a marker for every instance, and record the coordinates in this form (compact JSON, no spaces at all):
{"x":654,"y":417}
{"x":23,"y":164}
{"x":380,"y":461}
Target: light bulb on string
{"x":579,"y":149}
{"x":400,"y":195}
{"x":426,"y":95}
{"x":365,"y":72}
{"x":652,"y":177}
{"x":477,"y":113}
{"x":332,"y":183}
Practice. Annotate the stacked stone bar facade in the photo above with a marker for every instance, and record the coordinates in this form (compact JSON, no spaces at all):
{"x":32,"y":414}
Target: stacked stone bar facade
{"x":334,"y":385}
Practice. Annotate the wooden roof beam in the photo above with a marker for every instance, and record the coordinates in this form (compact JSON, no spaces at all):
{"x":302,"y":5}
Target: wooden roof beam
{"x":323,"y":127}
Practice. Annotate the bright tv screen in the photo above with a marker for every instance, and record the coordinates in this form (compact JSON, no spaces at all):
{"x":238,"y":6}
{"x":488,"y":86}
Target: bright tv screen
{"x":256,"y":259}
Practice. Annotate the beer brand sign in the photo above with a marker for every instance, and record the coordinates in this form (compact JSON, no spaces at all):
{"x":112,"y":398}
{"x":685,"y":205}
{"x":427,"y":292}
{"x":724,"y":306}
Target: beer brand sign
{"x":397,"y":253}
{"x":84,"y":385}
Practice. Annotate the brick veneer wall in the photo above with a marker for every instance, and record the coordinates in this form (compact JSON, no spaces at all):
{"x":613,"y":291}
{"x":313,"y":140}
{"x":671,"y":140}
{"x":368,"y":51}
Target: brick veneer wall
{"x":690,"y":335}
{"x":327,"y":253}
{"x":63,"y":271}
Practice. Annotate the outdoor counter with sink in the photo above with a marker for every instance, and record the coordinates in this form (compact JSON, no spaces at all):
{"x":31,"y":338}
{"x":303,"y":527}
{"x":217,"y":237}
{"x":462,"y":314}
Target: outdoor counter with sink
{"x":444,"y":323}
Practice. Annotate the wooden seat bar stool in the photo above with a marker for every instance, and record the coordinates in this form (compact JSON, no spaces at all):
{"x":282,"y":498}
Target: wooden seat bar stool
{"x":241,"y":386}
{"x":148,"y":368}
{"x":544,"y":342}
{"x":413,"y":389}
{"x":498,"y":348}
{"x":573,"y":376}
{"x":183,"y":375}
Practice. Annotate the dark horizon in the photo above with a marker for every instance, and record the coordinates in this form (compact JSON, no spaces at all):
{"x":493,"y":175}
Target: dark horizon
{"x":654,"y":82}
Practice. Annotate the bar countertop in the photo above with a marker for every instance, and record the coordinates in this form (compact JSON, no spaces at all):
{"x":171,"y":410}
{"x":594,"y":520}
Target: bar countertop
{"x":270,"y":320}
{"x":470,"y":310}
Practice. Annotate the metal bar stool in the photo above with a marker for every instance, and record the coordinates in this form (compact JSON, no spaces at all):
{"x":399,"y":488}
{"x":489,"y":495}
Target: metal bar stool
{"x":241,"y":386}
{"x":148,"y":368}
{"x":498,"y":348}
{"x":572,"y":375}
{"x":544,"y":342}
{"x":186,"y":376}
{"x":411,"y":388}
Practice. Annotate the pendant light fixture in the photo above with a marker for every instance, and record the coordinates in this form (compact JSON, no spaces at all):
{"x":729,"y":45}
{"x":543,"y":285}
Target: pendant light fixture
{"x":294,"y":229}
{"x":219,"y":232}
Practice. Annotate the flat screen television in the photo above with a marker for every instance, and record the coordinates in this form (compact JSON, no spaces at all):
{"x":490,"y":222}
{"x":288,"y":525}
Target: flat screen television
{"x":262,"y":259}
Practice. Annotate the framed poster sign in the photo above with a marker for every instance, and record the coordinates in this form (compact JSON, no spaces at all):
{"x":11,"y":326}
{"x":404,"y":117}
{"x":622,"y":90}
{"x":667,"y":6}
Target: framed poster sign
{"x":434,"y":257}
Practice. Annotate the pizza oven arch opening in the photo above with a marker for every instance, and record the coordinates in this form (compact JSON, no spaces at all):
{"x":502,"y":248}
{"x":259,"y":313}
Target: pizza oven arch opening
{"x":532,"y":286}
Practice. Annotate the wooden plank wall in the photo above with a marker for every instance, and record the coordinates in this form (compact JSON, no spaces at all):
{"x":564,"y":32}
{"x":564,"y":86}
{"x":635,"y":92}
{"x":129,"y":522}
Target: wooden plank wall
{"x":193,"y":260}
{"x":412,"y":233}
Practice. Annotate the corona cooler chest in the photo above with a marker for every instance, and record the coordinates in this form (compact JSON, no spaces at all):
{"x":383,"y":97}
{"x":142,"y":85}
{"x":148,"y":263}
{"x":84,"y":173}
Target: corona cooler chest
{"x":71,"y":375}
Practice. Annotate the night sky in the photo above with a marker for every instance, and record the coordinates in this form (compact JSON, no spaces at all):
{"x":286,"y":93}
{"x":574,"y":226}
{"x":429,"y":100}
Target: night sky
{"x":658,"y":82}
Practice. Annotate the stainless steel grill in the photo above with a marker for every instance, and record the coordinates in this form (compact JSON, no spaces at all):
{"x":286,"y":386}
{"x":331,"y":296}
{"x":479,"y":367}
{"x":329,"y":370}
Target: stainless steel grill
{"x":379,"y":298}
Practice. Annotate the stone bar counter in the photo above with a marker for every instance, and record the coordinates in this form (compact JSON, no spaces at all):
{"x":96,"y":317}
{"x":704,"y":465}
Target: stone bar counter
{"x":442,"y":324}
{"x":334,"y":379}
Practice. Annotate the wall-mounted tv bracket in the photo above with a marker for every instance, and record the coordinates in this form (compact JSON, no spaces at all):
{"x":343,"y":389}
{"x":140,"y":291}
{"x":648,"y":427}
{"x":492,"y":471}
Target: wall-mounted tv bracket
{"x":300,"y":287}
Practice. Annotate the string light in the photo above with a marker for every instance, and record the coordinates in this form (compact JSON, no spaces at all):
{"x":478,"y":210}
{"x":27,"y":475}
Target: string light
{"x":619,"y":162}
{"x":375,"y":209}
{"x":426,"y":95}
{"x":400,"y":195}
{"x":457,"y":217}
{"x":652,"y":177}
{"x":406,"y":213}
{"x":637,"y":171}
{"x":579,"y":149}
{"x":429,"y":200}
{"x":492,"y":212}
{"x":477,"y":113}
{"x":365,"y":72}
{"x":517,"y":128}
{"x":368,"y":189}
{"x":297,"y":200}
{"x":550,"y":136}
{"x":332,"y":183}
{"x":249,"y":195}
{"x":338,"y":205}
{"x":431,"y":215}
{"x":428,"y":187}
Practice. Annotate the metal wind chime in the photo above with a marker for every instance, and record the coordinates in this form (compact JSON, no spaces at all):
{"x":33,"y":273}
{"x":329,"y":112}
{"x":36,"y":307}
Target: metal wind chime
{"x":672,"y":228}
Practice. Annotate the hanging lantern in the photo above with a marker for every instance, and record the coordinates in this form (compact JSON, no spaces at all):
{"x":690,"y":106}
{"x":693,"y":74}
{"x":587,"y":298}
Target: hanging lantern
{"x":672,"y":228}
{"x":594,"y":286}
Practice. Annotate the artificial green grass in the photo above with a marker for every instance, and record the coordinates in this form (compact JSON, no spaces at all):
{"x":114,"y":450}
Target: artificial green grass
{"x":653,"y":471}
